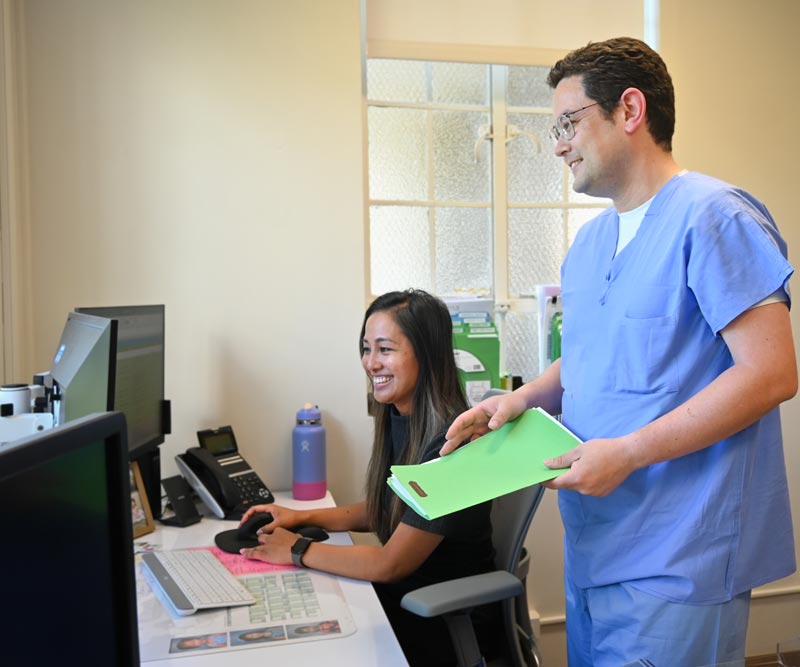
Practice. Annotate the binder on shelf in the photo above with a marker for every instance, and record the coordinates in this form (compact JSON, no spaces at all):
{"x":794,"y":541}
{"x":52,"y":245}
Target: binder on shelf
{"x":502,"y":461}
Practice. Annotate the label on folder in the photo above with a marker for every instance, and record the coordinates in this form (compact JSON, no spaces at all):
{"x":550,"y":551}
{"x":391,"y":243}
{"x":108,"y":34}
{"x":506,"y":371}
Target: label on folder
{"x":502,"y":461}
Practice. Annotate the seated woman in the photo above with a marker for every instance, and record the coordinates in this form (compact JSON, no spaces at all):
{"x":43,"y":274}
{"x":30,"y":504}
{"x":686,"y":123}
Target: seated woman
{"x":407,"y":353}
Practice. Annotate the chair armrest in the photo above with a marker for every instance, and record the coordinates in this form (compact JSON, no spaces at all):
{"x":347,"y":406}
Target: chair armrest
{"x":464,"y":593}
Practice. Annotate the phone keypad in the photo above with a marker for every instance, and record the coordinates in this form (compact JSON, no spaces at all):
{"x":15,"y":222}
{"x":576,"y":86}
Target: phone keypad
{"x":252,"y":489}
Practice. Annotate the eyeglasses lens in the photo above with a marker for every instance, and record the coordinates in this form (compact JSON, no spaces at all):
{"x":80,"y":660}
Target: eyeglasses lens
{"x":563,"y":128}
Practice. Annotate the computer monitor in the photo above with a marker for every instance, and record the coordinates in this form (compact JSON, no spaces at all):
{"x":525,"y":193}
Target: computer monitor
{"x":69,"y":586}
{"x":138,"y":384}
{"x":83,"y":368}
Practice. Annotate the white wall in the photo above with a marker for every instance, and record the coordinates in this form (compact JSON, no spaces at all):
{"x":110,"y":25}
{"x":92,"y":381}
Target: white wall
{"x":209,"y":156}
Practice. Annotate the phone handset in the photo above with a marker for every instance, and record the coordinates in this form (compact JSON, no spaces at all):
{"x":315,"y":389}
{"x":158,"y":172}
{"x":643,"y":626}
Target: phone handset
{"x":207,"y":477}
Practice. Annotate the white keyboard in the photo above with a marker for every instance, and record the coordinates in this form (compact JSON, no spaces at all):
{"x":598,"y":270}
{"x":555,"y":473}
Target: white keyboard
{"x":194,"y":579}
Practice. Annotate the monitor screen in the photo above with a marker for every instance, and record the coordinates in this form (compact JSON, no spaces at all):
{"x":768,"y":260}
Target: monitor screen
{"x":138,"y":386}
{"x":84,"y":367}
{"x":67,"y":558}
{"x":139,"y":377}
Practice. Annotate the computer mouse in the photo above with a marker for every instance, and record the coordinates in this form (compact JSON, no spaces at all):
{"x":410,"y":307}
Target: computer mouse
{"x":312,"y":532}
{"x":247,"y":531}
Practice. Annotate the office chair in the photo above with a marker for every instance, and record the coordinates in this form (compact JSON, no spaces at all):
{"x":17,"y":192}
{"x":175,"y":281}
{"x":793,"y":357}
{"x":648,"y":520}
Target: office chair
{"x":454,"y":600}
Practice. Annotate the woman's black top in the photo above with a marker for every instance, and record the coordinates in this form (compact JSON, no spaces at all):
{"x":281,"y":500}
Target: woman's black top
{"x":465,"y":550}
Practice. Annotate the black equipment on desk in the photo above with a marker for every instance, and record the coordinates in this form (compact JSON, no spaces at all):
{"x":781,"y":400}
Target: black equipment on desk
{"x":218,"y":473}
{"x":65,"y":508}
{"x":180,"y":500}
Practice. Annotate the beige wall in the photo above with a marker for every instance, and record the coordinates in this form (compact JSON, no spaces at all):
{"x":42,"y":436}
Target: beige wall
{"x":501,"y":25}
{"x":733,"y":65}
{"x":209,"y":156}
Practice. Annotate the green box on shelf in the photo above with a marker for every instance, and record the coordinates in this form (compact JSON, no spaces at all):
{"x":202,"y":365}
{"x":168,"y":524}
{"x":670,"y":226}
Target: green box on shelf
{"x":477,"y":351}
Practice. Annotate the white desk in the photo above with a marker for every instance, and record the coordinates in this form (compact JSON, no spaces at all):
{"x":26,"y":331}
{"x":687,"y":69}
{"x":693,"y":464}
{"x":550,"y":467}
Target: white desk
{"x":373,"y":643}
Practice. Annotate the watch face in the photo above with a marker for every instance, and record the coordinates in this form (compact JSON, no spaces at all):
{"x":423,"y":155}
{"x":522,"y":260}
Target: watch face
{"x":298,"y":549}
{"x":301,"y":545}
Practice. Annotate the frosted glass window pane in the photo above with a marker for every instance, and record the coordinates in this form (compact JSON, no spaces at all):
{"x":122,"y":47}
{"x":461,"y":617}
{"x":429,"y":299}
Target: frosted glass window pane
{"x":463,"y":251}
{"x":457,"y":176}
{"x":400,"y":255}
{"x":535,"y":248}
{"x":522,"y":342}
{"x":396,"y":80}
{"x":460,"y":83}
{"x":576,"y":218}
{"x":533,"y":176}
{"x":580,"y":198}
{"x":398,"y":142}
{"x":527,"y":87}
{"x":422,"y":154}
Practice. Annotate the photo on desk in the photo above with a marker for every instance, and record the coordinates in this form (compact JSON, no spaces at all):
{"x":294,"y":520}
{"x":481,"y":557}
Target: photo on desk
{"x":198,"y":642}
{"x":313,"y":629}
{"x":257,"y":635}
{"x":141,"y":516}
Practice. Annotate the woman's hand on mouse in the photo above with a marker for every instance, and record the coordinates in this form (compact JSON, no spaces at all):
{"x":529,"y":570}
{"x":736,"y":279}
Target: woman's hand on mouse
{"x":275,"y":548}
{"x":282,"y":517}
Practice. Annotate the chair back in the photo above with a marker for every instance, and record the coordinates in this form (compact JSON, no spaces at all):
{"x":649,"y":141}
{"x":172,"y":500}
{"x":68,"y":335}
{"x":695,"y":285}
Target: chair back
{"x":511,"y":517}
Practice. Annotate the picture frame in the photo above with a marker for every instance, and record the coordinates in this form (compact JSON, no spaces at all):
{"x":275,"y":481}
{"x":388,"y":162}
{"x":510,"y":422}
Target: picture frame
{"x":141,"y":516}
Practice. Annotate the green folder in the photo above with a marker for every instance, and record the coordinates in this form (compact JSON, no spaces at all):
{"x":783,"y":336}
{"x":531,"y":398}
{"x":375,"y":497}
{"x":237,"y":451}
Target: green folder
{"x":497,"y":463}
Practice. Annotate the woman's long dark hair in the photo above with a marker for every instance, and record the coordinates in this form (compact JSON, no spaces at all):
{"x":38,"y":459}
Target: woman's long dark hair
{"x":438,"y":397}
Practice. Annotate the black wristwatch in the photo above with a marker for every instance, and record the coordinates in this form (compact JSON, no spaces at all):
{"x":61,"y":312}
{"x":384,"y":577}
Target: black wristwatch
{"x":298,"y":549}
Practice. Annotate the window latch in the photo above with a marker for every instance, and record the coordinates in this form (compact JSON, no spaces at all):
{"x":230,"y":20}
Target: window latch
{"x":485,"y":134}
{"x":512,"y":132}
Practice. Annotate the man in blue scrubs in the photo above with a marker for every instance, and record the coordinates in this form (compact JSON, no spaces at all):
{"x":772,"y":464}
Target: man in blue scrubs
{"x":676,"y":352}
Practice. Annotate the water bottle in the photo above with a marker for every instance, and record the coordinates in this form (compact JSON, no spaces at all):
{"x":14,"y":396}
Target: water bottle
{"x":308,"y":455}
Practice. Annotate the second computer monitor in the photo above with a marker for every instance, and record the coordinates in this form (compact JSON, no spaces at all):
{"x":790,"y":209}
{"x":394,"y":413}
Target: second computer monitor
{"x":138,"y":386}
{"x":84,"y":367}
{"x":139,"y":376}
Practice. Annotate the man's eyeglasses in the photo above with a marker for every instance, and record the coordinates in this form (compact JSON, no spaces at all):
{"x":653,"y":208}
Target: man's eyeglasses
{"x":564,"y":128}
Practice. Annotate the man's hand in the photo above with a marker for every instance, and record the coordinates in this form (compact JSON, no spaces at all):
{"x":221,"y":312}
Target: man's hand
{"x":596,"y":467}
{"x":488,"y":415}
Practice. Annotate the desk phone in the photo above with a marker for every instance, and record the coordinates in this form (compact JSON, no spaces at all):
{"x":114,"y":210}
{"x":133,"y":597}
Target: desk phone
{"x":218,"y":473}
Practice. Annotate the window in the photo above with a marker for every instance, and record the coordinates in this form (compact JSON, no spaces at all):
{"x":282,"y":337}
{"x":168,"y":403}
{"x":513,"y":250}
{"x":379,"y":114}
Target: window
{"x":466,"y":198}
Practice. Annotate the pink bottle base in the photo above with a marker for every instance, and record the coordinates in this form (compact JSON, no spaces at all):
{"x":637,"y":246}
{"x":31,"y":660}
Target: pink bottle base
{"x":309,"y":490}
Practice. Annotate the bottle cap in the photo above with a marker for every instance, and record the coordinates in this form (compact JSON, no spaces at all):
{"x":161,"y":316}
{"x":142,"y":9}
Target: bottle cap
{"x":308,"y":413}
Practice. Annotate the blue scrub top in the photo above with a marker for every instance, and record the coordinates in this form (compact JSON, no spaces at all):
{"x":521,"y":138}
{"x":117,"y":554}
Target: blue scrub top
{"x":640,"y":337}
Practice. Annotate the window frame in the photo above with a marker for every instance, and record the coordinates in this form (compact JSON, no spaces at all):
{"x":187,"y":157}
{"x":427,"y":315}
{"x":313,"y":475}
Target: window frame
{"x":499,"y":110}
